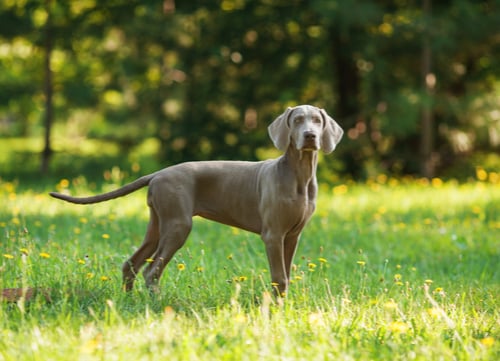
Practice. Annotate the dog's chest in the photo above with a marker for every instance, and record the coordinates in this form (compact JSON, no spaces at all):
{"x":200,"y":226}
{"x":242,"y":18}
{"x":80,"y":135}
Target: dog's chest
{"x":299,"y":208}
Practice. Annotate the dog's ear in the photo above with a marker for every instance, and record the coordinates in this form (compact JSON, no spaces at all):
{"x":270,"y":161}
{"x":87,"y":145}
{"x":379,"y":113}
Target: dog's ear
{"x":332,"y":133}
{"x":279,"y":130}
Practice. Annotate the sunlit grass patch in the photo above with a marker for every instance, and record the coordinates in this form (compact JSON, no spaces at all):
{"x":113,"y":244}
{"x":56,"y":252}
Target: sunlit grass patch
{"x":392,"y":269}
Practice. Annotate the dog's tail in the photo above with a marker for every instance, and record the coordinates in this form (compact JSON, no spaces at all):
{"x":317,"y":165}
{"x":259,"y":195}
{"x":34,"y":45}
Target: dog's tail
{"x":126,"y":189}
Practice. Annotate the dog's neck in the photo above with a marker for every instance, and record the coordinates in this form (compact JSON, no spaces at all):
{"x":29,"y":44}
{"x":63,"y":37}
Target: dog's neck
{"x":303,"y":165}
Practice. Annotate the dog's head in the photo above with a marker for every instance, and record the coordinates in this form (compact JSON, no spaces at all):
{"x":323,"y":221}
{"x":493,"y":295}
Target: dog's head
{"x":307,"y":128}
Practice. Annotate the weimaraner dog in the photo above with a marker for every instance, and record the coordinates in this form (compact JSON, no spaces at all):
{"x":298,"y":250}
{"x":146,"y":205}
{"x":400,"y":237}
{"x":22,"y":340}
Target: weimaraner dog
{"x":274,"y":198}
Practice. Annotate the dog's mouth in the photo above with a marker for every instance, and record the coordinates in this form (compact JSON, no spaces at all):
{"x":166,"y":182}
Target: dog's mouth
{"x":309,"y":147}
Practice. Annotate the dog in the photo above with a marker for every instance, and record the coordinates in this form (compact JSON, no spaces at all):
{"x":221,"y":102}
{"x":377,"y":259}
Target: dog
{"x":274,"y":198}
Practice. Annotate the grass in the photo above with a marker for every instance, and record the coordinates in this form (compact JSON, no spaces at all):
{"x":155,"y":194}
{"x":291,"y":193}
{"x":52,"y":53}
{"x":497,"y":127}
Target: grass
{"x":389,"y":269}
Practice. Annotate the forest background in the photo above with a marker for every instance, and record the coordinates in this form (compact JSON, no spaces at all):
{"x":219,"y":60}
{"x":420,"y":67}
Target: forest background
{"x":414,"y":84}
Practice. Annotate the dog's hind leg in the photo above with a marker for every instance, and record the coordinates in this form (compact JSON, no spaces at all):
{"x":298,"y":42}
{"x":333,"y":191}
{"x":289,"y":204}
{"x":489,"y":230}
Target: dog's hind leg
{"x":150,"y":244}
{"x":173,"y":236}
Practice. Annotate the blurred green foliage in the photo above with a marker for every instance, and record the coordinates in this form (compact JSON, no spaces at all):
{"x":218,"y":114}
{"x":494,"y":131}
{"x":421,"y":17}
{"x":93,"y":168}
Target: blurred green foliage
{"x":205,"y":78}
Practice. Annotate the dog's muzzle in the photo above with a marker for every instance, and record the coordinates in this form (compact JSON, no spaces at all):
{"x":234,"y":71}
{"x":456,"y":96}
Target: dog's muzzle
{"x":310,"y":141}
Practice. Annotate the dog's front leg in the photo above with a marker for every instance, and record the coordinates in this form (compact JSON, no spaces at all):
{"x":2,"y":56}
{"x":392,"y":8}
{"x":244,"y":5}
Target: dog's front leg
{"x":290,"y":246}
{"x":275,"y":255}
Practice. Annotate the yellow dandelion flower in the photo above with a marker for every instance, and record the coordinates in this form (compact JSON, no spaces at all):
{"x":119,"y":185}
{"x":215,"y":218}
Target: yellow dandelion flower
{"x":322,"y":260}
{"x":105,"y":236}
{"x":230,"y":257}
{"x":89,"y":275}
{"x":105,"y":278}
{"x":382,"y":210}
{"x":434,"y":313}
{"x":8,"y":256}
{"x":487,"y":341}
{"x":428,"y":281}
{"x":439,"y":291}
{"x":168,"y":311}
{"x":9,"y":187}
{"x":397,"y":277}
{"x":242,"y":278}
{"x":436,"y":182}
{"x":398,"y":327}
{"x":44,"y":255}
{"x":181,"y":266}
{"x":77,"y":230}
{"x":481,"y":174}
{"x":24,"y":251}
{"x":83,"y":220}
{"x":382,"y":178}
{"x":136,"y":167}
{"x":240,"y":318}
{"x":298,"y":278}
{"x":390,"y":305}
{"x":275,"y":284}
{"x":63,"y":183}
{"x":476,"y":209}
{"x":423,"y":181}
{"x":150,"y":260}
{"x":81,"y":261}
{"x":16,"y":221}
{"x":311,"y":265}
{"x":199,"y":269}
{"x":340,"y":189}
{"x":361,"y":263}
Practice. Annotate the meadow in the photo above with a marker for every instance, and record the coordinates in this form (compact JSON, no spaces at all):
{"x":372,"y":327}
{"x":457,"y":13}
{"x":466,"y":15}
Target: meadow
{"x":399,"y":269}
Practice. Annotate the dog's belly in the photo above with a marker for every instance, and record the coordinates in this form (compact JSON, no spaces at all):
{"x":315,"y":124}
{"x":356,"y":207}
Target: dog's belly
{"x":251,"y":225}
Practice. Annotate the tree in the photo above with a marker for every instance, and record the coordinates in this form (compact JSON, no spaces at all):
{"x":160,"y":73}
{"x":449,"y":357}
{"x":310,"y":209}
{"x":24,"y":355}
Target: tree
{"x":205,"y":78}
{"x":48,"y":90}
{"x":429,"y":82}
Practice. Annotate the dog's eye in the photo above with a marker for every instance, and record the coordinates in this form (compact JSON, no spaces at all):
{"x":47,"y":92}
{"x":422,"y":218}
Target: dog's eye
{"x":299,"y":119}
{"x":316,"y":120}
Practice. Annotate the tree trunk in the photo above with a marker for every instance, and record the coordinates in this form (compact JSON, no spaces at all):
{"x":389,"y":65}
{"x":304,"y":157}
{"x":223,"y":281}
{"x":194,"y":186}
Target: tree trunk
{"x":347,"y":77}
{"x":48,"y":91}
{"x":347,"y":84}
{"x":427,"y":165}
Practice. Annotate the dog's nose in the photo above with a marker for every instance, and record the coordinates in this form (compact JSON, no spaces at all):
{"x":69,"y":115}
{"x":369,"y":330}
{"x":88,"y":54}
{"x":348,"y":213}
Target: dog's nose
{"x":308,"y":135}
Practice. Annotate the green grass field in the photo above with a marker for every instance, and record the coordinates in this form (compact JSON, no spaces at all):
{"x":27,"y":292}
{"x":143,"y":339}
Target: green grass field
{"x":387,"y":270}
